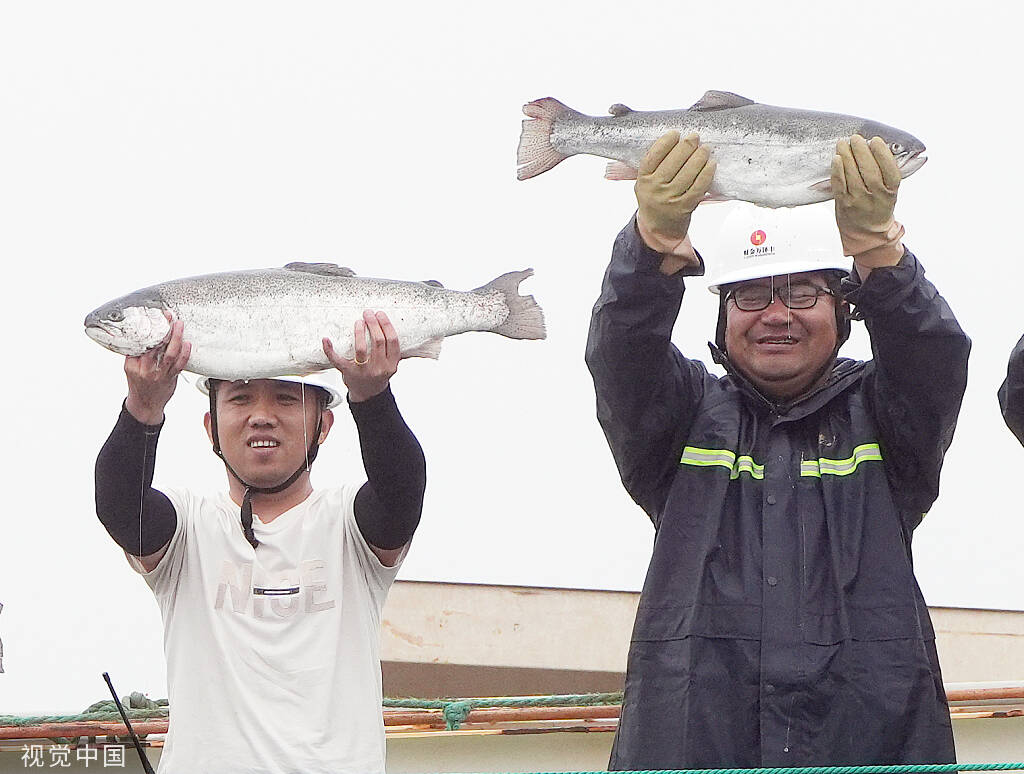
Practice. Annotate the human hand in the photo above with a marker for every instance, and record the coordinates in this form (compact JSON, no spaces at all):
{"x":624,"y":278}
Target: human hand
{"x":865,"y":178}
{"x":153,"y":376}
{"x":673,"y":179}
{"x":372,"y":367}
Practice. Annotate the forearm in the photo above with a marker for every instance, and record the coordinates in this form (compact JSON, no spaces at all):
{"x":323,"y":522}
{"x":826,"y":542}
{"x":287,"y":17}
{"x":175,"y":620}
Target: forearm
{"x":388,"y":506}
{"x":139,"y":518}
{"x":646,"y":391}
{"x":1011,"y":392}
{"x":919,"y":374}
{"x":631,"y":325}
{"x":915,"y":337}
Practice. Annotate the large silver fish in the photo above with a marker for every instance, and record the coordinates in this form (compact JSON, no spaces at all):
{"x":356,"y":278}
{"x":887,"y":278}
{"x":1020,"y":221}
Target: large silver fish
{"x":269,"y":322}
{"x":771,"y":156}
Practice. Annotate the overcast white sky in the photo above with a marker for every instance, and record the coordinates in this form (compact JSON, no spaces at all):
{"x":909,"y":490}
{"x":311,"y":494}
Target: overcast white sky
{"x":141,"y":142}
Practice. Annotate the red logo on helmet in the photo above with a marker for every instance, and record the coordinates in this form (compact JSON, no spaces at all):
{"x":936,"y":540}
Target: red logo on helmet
{"x":758,"y":238}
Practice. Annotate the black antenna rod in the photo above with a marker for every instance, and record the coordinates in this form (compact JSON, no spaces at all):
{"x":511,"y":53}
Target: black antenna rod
{"x":124,"y":716}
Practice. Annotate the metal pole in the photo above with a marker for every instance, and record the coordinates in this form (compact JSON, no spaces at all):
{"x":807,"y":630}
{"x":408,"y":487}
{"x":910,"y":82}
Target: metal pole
{"x":131,"y":731}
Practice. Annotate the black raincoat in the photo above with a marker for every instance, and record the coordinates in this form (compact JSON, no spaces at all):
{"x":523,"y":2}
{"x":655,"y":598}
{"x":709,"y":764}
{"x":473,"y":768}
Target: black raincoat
{"x":780,"y":622}
{"x":1011,"y":392}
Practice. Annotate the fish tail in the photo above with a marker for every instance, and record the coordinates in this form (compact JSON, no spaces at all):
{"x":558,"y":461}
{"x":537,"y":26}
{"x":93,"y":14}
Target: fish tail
{"x":536,"y":153}
{"x":525,"y":318}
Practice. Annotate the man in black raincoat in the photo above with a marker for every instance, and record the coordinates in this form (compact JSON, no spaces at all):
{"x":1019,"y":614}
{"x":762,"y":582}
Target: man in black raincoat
{"x":1011,"y":392}
{"x":780,"y":622}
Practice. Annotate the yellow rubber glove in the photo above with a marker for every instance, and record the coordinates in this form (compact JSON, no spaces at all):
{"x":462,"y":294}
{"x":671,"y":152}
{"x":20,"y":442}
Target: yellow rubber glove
{"x":865,"y":179}
{"x":673,"y":178}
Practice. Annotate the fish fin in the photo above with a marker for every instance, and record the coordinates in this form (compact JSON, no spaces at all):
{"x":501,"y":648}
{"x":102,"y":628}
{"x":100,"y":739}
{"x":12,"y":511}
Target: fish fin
{"x":720,"y":100}
{"x":620,"y":170}
{"x":433,"y":283}
{"x":618,"y":109}
{"x":549,"y":109}
{"x":824,"y":186}
{"x":330,"y":269}
{"x":430,"y":348}
{"x":536,"y":154}
{"x":711,"y":198}
{"x":525,"y":318}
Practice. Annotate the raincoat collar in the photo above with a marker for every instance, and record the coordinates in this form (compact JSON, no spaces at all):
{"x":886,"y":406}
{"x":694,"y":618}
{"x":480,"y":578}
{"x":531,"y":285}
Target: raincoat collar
{"x":844,"y":373}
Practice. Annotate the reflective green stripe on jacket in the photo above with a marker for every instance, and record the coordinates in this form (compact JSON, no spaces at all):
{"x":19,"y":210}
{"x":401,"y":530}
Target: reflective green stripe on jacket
{"x":825,"y":467}
{"x":694,"y":455}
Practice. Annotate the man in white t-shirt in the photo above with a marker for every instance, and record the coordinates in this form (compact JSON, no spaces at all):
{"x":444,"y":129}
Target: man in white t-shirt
{"x":270,"y":593}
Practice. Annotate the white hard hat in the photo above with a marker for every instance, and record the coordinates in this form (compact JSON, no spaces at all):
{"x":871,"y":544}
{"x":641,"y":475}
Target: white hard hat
{"x":325,"y":380}
{"x":756,"y":242}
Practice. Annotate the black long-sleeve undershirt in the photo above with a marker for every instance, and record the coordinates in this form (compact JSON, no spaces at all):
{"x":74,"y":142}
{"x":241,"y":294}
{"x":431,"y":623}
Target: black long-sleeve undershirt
{"x":138,"y":517}
{"x":389,"y":504}
{"x":142,"y":519}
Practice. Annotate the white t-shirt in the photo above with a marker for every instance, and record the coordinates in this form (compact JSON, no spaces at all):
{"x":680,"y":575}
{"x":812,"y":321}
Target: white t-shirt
{"x":273,"y":656}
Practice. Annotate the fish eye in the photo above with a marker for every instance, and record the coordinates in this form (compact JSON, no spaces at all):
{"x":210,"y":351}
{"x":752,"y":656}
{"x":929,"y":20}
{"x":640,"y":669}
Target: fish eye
{"x":116,"y":316}
{"x":896,"y":148}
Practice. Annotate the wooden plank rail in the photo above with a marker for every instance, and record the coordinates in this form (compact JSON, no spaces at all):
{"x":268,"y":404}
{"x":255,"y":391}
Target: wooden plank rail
{"x":1004,"y":692}
{"x":84,"y":728}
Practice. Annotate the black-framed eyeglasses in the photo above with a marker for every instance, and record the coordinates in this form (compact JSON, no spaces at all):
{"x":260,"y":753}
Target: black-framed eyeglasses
{"x":755,"y":297}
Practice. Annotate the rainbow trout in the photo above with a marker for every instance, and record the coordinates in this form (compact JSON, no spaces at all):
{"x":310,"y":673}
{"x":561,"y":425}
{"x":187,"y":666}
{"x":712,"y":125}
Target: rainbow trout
{"x":269,"y":322}
{"x":770,"y":156}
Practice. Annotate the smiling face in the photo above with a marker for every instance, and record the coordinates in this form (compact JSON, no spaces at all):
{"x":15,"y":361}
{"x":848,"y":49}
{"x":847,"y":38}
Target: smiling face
{"x":265,"y":427}
{"x":782,"y":351}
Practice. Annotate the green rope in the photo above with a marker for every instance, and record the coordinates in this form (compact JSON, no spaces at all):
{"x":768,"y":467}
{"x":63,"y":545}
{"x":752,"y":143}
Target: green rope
{"x":456,"y":711}
{"x":561,"y":700}
{"x":136,"y":707}
{"x":455,"y":714}
{"x":18,"y":722}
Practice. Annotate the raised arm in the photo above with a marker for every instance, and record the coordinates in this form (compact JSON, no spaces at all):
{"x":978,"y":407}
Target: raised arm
{"x":919,"y":371}
{"x":917,"y":378}
{"x":138,"y":517}
{"x":1011,"y":392}
{"x":647,"y":391}
{"x":389,"y":504}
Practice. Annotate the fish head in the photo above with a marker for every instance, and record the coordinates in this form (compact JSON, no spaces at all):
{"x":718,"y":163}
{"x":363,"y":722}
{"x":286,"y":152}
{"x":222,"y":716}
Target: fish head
{"x":131,"y":325}
{"x":905,"y":147}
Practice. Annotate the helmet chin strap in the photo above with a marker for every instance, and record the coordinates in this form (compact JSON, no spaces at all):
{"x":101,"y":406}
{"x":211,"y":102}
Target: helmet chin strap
{"x":250,"y":489}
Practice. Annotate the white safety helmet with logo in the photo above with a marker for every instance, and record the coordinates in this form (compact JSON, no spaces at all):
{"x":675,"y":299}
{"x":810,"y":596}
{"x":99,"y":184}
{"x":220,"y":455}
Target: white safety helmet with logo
{"x":755,"y":242}
{"x":325,"y":380}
